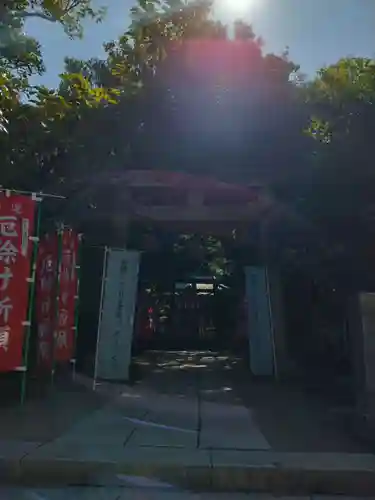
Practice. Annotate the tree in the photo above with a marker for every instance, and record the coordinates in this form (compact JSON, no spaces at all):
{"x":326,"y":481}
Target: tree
{"x":169,"y":117}
{"x":37,"y":124}
{"x":336,"y":187}
{"x":68,"y":13}
{"x":170,"y":111}
{"x":248,"y":121}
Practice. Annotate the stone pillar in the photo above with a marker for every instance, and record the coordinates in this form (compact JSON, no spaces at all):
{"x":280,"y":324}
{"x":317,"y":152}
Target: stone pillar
{"x":195,"y":198}
{"x":361,"y":321}
{"x":119,"y":222}
{"x":120,"y":231}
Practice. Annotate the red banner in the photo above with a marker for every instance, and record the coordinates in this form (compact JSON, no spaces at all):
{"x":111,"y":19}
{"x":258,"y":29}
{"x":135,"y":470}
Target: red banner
{"x":45,"y":303}
{"x":16,"y":227}
{"x":64,"y":333}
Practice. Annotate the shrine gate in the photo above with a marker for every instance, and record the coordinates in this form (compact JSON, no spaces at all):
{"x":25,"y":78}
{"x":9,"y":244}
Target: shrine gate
{"x":183,"y":203}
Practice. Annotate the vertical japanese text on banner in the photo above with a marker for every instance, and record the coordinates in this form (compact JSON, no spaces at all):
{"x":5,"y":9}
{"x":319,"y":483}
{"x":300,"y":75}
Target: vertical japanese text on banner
{"x":16,"y":227}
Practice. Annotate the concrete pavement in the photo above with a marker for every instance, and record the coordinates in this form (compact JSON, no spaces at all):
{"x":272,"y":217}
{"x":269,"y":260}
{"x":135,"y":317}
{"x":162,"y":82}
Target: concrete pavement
{"x":115,"y":493}
{"x":182,"y":428}
{"x":47,"y":415}
{"x":197,"y":470}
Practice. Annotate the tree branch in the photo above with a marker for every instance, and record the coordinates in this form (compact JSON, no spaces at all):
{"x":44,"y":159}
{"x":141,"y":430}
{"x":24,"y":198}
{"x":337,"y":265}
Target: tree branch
{"x":40,"y":15}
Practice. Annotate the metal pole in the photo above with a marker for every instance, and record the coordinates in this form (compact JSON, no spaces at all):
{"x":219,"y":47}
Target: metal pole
{"x":272,"y":325}
{"x":31,"y":299}
{"x":28,"y":193}
{"x":102,"y":291}
{"x":264,"y":243}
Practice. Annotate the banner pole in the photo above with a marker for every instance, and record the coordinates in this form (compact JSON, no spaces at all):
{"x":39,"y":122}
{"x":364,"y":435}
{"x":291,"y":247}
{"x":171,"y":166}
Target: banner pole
{"x":32,"y":281}
{"x":76,"y":304}
{"x":28,"y":193}
{"x":272,"y":325}
{"x":102,"y":289}
{"x":57,"y":304}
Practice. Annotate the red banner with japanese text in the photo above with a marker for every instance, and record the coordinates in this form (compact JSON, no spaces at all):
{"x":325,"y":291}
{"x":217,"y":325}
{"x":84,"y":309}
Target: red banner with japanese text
{"x":64,"y":334}
{"x":17,"y":215}
{"x":45,"y":300}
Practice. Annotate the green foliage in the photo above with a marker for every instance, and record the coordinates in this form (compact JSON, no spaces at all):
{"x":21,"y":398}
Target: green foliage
{"x":69,"y":13}
{"x":36,"y":123}
{"x":341,"y":94}
{"x":338,"y":183}
{"x":202,"y":255}
{"x":306,"y":138}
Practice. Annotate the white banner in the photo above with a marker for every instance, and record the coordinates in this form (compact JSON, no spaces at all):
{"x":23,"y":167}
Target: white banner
{"x":115,"y":332}
{"x":260,"y":328}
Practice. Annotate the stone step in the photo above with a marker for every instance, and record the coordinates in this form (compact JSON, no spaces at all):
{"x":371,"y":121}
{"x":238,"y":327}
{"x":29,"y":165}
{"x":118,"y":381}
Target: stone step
{"x":193,"y":469}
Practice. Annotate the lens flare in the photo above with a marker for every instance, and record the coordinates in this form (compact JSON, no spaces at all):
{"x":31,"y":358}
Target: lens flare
{"x":236,"y":7}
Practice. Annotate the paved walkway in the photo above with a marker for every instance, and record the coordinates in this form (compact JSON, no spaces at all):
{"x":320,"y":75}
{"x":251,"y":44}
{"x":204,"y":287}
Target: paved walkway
{"x":176,"y":408}
{"x":208,"y":408}
{"x":214,"y":392}
{"x":280,"y":417}
{"x":190,"y":422}
{"x":45,"y":416}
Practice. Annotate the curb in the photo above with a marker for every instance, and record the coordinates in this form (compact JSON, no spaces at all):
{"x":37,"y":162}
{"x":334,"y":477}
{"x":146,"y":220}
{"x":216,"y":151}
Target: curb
{"x":293,"y":481}
{"x":268,"y":475}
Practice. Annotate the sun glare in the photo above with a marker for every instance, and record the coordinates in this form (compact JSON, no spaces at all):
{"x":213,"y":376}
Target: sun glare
{"x":236,"y":7}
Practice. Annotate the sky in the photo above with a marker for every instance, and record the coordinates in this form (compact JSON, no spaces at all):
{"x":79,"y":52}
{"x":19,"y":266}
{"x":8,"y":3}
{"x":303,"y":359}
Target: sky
{"x":317,"y":32}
